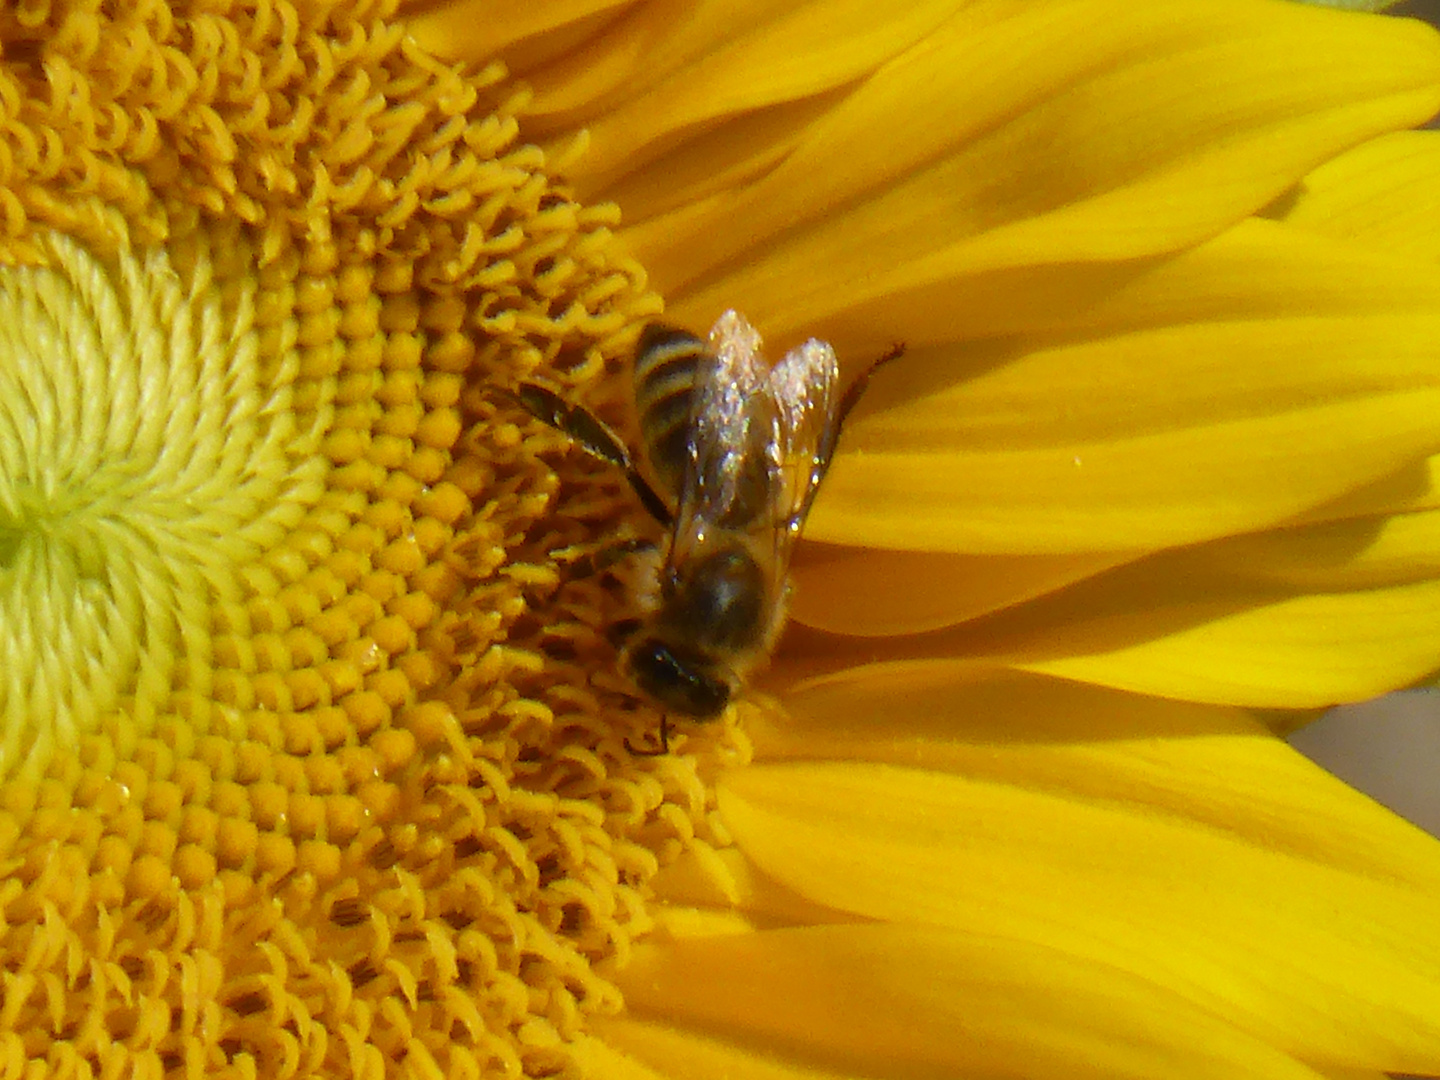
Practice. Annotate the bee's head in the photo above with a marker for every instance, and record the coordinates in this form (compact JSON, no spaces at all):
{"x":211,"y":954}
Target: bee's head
{"x":680,"y":679}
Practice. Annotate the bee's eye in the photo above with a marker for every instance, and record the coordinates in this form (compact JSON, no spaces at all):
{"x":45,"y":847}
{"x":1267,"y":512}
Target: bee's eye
{"x":679,"y":679}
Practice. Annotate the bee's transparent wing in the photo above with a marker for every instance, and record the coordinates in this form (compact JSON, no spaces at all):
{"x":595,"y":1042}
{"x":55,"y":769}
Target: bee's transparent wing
{"x":759,"y":441}
{"x":804,"y":386}
{"x":728,"y":482}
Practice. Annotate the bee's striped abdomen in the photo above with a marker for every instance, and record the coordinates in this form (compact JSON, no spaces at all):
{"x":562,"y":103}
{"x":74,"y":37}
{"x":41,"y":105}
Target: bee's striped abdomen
{"x":667,"y":361}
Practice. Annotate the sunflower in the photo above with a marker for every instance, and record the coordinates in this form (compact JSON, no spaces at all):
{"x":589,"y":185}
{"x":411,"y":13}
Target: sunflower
{"x":314,"y":747}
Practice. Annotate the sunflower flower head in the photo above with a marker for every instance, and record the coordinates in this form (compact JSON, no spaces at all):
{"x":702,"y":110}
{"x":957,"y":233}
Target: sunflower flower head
{"x":314,"y":755}
{"x":296,"y":779}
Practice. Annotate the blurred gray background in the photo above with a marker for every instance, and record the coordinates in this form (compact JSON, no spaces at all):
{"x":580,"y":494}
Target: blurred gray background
{"x":1421,"y":9}
{"x":1389,"y":749}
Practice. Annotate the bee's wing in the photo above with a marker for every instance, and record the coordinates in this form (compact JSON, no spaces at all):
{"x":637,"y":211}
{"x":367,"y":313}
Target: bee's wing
{"x":804,"y":386}
{"x":757,"y":438}
{"x":733,"y":421}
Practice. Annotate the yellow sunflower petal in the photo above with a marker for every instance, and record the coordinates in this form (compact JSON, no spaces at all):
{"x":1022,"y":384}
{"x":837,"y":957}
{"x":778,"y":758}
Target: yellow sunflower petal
{"x":650,"y":83}
{"x":870,"y":592}
{"x":1330,"y":958}
{"x":1179,"y":626}
{"x":1223,"y":390}
{"x":1382,"y":193}
{"x":1300,"y":617}
{"x":600,"y":1060}
{"x":1294,"y":618}
{"x":1414,"y":488}
{"x":686,"y":1054}
{"x":527,"y":33}
{"x":1205,"y":763}
{"x":1292,"y":652}
{"x":893,"y":1000}
{"x":1355,"y":5}
{"x":1356,"y":553}
{"x":1166,"y":137}
{"x":851,"y":590}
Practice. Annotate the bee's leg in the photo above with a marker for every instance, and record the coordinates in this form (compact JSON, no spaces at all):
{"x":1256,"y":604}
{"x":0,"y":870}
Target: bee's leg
{"x":664,"y":741}
{"x":831,"y":437}
{"x":856,"y":390}
{"x":591,"y":435}
{"x":599,"y":561}
{"x":621,"y":631}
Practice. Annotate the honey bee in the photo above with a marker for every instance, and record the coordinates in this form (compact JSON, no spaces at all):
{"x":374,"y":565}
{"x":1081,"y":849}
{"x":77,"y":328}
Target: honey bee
{"x":737,"y":449}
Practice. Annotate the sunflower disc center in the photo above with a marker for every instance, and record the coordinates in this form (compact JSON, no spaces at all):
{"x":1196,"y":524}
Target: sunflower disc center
{"x":140,"y":467}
